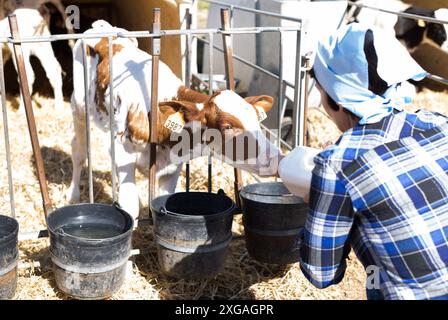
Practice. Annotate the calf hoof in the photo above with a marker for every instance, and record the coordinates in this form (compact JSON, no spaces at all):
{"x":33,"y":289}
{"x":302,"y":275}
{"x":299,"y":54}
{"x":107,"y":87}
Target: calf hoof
{"x":72,"y":195}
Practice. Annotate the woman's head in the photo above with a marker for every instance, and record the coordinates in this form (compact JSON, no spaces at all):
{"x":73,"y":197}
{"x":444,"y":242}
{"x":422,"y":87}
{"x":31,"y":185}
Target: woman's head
{"x":359,"y":71}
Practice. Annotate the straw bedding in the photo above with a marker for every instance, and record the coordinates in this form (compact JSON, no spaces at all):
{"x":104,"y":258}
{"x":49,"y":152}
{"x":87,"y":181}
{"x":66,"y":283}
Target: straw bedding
{"x":243,"y":277}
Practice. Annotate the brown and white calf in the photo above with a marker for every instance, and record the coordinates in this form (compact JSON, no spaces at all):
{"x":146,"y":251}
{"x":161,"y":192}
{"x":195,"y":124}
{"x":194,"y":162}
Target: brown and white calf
{"x":31,"y":23}
{"x":226,"y":112}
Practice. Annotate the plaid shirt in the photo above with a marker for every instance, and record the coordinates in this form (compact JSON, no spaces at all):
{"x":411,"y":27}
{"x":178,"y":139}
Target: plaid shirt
{"x":382,"y":189}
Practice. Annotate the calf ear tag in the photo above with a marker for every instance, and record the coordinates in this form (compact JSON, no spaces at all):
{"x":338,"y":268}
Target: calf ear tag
{"x":261,"y":114}
{"x":421,"y":23}
{"x":175,"y":122}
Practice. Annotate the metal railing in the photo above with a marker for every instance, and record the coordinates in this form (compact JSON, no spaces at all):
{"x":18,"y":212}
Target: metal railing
{"x":209,"y":33}
{"x":299,"y":105}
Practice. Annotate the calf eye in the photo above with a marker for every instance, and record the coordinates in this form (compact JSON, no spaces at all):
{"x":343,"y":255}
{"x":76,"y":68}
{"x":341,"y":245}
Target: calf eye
{"x":228,"y":127}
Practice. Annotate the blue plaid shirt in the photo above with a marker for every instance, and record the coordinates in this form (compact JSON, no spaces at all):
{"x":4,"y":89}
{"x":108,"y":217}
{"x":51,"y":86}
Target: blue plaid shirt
{"x":382,"y":190}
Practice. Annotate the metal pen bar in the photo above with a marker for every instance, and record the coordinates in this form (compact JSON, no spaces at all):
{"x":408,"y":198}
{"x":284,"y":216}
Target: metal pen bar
{"x":188,"y":85}
{"x":12,"y":202}
{"x":286,"y":144}
{"x":400,"y":14}
{"x":260,"y":12}
{"x":280,"y":88}
{"x":154,"y":103}
{"x":297,"y":88}
{"x":250,"y":64}
{"x":437,"y":78}
{"x":144,"y":34}
{"x":210,"y":93}
{"x":111,"y":120}
{"x":87,"y":115}
{"x":26,"y":95}
{"x":228,"y":59}
{"x":305,"y":105}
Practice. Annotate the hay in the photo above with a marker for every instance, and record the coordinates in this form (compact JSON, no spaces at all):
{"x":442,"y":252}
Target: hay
{"x":243,"y":277}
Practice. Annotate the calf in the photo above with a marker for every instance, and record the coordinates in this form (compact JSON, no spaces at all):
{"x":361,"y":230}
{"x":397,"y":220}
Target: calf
{"x":31,"y":23}
{"x":413,"y":32}
{"x":225,"y":111}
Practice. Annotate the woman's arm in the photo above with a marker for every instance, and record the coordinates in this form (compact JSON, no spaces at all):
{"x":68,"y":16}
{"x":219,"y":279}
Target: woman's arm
{"x":325,"y":244}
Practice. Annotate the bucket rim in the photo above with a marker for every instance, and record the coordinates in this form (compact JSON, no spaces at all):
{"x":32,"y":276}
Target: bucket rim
{"x":14,"y":223}
{"x":88,"y":240}
{"x":244,"y":192}
{"x":231,"y":209}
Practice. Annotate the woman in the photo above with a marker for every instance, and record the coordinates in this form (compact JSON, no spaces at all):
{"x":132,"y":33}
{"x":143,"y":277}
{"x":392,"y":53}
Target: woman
{"x":382,"y":188}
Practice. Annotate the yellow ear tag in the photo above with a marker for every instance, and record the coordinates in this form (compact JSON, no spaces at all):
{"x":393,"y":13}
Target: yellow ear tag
{"x":261,"y":114}
{"x":175,"y":122}
{"x":421,"y":23}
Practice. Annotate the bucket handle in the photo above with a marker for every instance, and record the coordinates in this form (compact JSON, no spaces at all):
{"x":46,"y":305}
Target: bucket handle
{"x":163,"y":210}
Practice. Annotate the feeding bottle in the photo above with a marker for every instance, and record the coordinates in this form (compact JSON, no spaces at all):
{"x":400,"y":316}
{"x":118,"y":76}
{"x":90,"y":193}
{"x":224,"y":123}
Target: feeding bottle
{"x":295,"y":170}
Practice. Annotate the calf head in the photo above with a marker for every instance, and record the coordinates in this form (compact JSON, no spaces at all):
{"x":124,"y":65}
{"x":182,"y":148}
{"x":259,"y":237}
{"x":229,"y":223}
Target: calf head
{"x":233,"y":124}
{"x":412,"y":32}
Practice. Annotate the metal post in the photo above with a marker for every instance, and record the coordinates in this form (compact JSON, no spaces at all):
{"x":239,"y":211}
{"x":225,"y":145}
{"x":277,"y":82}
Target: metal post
{"x":210,"y":93}
{"x":305,"y":104}
{"x":6,"y":135}
{"x":154,"y":102}
{"x":296,"y":137}
{"x":87,"y":111}
{"x":228,"y":58}
{"x":111,"y":120}
{"x":188,"y":84}
{"x":30,"y":115}
{"x":280,"y":89}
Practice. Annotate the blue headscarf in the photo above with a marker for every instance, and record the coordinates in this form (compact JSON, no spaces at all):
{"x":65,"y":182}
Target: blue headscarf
{"x":341,"y":68}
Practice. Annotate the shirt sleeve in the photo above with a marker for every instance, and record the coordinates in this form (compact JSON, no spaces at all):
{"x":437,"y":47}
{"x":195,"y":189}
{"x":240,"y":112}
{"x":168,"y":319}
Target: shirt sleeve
{"x":325,"y":239}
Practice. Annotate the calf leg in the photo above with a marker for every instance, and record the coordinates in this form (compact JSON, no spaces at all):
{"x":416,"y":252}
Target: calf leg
{"x":45,"y":54}
{"x":79,"y":153}
{"x":126,"y":163}
{"x":168,"y":182}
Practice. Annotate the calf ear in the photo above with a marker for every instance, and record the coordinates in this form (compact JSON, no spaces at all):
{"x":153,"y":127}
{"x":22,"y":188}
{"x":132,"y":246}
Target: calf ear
{"x":186,"y":94}
{"x":264,"y":102}
{"x":188,"y":109}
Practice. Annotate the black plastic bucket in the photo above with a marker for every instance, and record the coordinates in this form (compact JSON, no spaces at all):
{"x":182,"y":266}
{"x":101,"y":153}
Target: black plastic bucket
{"x":90,"y":245}
{"x":9,"y":257}
{"x":192,"y":231}
{"x":273,"y":218}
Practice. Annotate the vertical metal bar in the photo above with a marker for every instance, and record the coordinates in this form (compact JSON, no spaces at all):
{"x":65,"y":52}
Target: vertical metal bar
{"x":6,"y":135}
{"x":187,"y":84}
{"x":111,"y":120}
{"x":280,"y":89}
{"x":305,"y":105}
{"x":154,"y":102}
{"x":87,"y":111}
{"x":210,"y":93}
{"x":228,"y":59}
{"x":30,"y":115}
{"x":297,"y":88}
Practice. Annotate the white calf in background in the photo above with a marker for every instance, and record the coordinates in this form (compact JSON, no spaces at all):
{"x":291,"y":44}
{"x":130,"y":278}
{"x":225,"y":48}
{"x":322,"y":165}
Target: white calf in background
{"x":31,"y":23}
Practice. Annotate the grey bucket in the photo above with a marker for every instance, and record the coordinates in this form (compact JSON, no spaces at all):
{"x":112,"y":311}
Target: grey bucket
{"x":192,"y":231}
{"x":273,"y":219}
{"x":90,"y":267}
{"x":9,"y":257}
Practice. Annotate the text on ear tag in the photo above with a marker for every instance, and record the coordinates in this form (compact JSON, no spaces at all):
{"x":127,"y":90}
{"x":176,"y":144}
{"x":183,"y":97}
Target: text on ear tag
{"x":261,"y":114}
{"x":175,"y":122}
